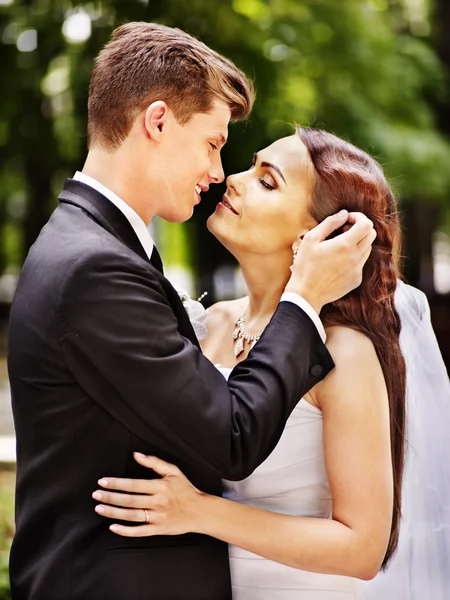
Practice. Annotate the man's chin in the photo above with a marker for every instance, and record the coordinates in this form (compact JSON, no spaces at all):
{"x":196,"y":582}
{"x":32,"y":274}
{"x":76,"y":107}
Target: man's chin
{"x":177,"y":215}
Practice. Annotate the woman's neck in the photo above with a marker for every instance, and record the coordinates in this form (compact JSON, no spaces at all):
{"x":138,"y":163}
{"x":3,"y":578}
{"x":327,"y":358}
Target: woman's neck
{"x":266,"y":278}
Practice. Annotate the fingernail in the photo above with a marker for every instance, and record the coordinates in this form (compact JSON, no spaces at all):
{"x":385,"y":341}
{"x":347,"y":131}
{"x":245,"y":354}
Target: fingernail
{"x":139,"y":454}
{"x":103,"y":482}
{"x":97,"y":495}
{"x":343,"y":213}
{"x":114,"y":528}
{"x":100,"y":509}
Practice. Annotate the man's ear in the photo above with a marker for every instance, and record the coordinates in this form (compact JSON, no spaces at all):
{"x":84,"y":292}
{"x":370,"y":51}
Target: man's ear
{"x":155,"y":120}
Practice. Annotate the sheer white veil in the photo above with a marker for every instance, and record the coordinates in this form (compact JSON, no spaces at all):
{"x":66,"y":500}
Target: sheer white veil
{"x":420,"y":568}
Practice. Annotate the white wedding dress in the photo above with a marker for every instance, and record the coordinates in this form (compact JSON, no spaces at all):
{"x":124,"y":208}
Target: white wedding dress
{"x":293,"y":481}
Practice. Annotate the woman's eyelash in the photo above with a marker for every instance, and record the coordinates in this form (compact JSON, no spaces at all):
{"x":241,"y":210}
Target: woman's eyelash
{"x":266,"y":185}
{"x":213,"y":146}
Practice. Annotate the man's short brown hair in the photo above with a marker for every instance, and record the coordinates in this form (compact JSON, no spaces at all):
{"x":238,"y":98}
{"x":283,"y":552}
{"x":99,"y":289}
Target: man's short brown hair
{"x":145,"y":62}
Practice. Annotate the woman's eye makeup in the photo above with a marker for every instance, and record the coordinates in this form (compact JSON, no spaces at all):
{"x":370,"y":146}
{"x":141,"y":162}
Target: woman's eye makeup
{"x":265,"y":184}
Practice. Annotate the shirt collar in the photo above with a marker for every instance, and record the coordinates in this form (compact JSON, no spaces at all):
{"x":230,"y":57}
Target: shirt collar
{"x":134,"y":219}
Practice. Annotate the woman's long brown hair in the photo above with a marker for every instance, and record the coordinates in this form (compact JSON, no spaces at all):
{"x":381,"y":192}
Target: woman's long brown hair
{"x":348,"y":178}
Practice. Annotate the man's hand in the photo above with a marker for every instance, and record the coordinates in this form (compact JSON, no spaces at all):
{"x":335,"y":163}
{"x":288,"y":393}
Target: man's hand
{"x":326,"y":270}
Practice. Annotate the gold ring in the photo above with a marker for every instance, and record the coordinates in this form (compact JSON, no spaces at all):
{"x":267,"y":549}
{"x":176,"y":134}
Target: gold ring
{"x":147,"y":516}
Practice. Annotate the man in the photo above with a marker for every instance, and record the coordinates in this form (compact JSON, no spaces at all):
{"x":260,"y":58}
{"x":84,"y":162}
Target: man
{"x":103,"y":360}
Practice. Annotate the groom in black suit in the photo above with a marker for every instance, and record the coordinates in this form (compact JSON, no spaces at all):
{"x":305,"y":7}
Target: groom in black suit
{"x":102,"y":358}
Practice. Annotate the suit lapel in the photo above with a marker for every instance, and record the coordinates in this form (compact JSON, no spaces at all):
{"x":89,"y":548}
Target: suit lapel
{"x":113,"y":220}
{"x":184,"y":324}
{"x":104,"y":212}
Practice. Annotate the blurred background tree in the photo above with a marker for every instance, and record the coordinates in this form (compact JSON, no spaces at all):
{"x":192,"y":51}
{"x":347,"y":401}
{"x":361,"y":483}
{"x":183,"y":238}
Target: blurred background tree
{"x":372,"y":71}
{"x":365,"y":69}
{"x":368,"y":70}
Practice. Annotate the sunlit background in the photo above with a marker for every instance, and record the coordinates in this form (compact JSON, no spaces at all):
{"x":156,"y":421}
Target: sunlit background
{"x":375,"y":72}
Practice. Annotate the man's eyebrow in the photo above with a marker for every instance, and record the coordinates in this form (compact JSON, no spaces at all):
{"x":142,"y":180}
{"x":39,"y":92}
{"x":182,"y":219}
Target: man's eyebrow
{"x":270,"y":166}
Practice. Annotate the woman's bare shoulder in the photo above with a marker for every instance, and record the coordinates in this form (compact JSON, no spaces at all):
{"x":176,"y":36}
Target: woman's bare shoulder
{"x":346,"y":344}
{"x":356,"y":365}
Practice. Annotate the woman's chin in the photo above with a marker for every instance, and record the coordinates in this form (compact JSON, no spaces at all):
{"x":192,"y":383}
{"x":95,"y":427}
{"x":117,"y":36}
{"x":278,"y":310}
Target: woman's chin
{"x":219,"y":229}
{"x":213,"y":224}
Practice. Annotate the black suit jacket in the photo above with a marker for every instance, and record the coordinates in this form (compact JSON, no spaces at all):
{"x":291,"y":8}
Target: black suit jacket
{"x":103,"y":361}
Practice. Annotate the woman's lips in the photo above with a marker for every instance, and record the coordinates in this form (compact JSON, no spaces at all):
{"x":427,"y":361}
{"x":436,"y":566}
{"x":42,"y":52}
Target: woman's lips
{"x":226,"y":205}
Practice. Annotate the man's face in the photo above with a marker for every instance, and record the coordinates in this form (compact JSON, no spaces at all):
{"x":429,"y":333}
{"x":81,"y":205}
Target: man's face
{"x":189,"y":161}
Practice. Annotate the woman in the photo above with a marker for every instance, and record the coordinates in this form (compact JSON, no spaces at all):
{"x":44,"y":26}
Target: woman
{"x":323,"y":511}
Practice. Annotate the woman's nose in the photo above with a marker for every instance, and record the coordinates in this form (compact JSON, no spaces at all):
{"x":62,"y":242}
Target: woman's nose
{"x":234,"y":182}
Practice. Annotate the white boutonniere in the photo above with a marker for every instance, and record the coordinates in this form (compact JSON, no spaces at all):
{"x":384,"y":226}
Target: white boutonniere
{"x":196,"y":312}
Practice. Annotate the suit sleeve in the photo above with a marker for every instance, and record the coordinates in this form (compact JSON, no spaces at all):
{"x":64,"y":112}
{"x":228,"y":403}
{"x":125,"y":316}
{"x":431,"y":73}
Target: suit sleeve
{"x":120,"y":340}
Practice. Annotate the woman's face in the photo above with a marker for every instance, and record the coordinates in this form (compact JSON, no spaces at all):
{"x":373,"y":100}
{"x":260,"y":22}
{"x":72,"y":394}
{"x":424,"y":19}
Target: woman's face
{"x":265,"y":209}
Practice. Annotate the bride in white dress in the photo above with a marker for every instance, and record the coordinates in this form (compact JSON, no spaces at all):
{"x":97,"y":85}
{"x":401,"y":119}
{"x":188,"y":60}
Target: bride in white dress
{"x":322,"y":513}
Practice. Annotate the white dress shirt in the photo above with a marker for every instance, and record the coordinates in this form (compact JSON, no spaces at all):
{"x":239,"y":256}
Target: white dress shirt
{"x":145,"y":238}
{"x":140,"y":228}
{"x":308,"y":309}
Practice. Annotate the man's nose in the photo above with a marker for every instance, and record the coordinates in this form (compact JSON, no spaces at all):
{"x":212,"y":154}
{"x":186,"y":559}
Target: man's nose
{"x":216,"y":173}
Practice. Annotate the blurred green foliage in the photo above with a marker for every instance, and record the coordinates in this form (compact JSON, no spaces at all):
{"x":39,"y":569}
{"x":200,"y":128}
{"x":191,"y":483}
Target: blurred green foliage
{"x":364,"y":69}
{"x":7,"y":479}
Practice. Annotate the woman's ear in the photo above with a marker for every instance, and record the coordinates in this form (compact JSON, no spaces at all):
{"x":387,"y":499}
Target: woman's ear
{"x":296,"y":244}
{"x":308,"y":224}
{"x":301,"y":235}
{"x":299,"y":239}
{"x":155,"y":120}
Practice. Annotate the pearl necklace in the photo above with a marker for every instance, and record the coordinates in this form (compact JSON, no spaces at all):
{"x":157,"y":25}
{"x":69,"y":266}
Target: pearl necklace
{"x":240,"y":334}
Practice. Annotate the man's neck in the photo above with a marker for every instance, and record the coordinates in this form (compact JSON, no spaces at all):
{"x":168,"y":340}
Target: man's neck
{"x":112,"y":170}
